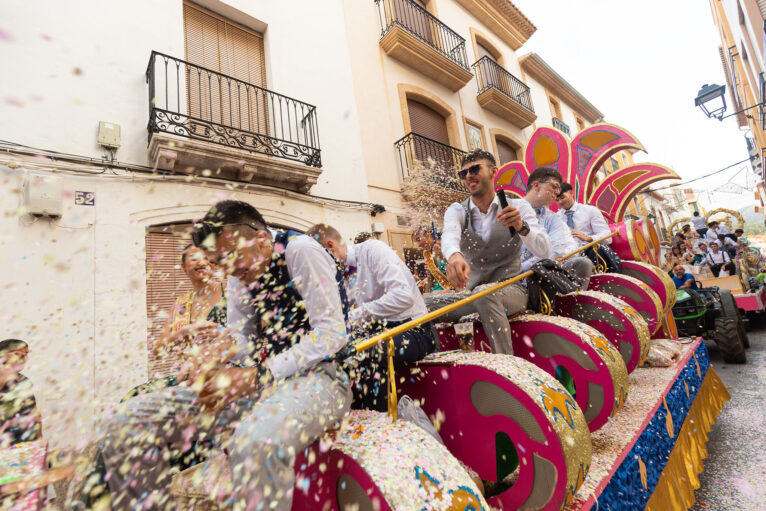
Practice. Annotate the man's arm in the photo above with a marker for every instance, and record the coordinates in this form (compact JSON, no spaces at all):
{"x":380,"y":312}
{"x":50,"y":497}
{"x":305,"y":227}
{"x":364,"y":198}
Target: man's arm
{"x":536,"y":240}
{"x":688,"y":282}
{"x":598,"y":225}
{"x":313,"y":274}
{"x":393,"y":276}
{"x":453,"y":230}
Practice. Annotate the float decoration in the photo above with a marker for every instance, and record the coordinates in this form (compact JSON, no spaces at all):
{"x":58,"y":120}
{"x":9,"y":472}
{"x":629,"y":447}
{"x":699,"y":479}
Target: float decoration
{"x":578,"y":160}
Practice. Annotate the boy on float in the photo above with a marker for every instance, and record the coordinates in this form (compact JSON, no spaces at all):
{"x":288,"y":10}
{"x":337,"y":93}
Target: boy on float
{"x":480,"y":250}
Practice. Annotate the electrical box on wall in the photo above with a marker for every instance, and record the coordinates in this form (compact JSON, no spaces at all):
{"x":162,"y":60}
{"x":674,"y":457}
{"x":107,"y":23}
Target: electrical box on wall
{"x":378,"y":227}
{"x":108,"y":134}
{"x":42,"y":195}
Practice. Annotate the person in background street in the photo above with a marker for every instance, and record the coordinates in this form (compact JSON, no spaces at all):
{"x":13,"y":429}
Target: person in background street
{"x":382,"y":294}
{"x":712,"y":233}
{"x":437,"y":275}
{"x":481,"y":251}
{"x":586,"y":222}
{"x":682,"y":279}
{"x":19,"y":416}
{"x":719,"y":259}
{"x":277,"y":391}
{"x":700,"y":223}
{"x":196,"y":313}
{"x":543,"y":186}
{"x":700,"y":253}
{"x":364,"y":236}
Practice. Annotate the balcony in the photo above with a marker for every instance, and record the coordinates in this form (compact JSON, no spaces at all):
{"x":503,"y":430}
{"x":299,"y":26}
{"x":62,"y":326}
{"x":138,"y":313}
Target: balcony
{"x":412,"y":35}
{"x":504,"y":94}
{"x":561,"y":126}
{"x":416,"y":151}
{"x":200,"y":119}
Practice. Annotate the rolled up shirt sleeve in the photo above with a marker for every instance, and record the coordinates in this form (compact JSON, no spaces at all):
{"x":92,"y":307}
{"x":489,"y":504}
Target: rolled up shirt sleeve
{"x":536,"y":240}
{"x":313,"y":274}
{"x":453,"y":229}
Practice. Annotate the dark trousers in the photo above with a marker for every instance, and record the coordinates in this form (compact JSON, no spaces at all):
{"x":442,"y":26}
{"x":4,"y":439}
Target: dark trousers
{"x":716,"y":268}
{"x":702,"y":232}
{"x":370,"y":371}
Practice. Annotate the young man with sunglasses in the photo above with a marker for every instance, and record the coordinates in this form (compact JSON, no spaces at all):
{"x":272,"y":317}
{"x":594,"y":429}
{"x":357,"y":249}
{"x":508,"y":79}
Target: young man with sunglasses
{"x":480,"y":250}
{"x":543,"y":186}
{"x":286,"y":317}
{"x":585,"y":222}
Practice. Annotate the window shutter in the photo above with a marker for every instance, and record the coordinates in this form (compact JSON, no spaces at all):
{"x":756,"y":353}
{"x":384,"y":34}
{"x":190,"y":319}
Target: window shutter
{"x":484,"y":52}
{"x":505,"y":152}
{"x":220,"y":45}
{"x":427,"y":122}
{"x":165,"y":281}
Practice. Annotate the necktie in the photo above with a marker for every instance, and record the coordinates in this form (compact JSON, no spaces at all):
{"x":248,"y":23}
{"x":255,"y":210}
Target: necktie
{"x":539,"y":212}
{"x":570,"y":218}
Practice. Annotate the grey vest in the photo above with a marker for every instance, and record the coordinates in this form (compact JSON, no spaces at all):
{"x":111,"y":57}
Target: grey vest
{"x":497,"y":260}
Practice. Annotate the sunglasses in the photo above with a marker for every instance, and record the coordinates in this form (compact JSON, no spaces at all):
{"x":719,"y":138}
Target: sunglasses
{"x":205,"y":229}
{"x":473,"y":170}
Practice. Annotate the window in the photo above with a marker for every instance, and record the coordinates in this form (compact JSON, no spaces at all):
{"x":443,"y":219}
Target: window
{"x":580,"y":124}
{"x":625,"y":160}
{"x":165,"y":281}
{"x":505,"y":152}
{"x":613,"y":163}
{"x":427,"y":122}
{"x":222,"y":46}
{"x":555,"y":107}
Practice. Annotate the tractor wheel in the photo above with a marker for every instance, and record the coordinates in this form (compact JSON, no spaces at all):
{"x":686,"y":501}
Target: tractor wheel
{"x":728,"y":341}
{"x":730,"y":310}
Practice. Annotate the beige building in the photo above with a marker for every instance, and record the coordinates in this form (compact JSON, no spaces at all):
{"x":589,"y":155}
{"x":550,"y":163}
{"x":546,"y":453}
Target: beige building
{"x":132,"y":118}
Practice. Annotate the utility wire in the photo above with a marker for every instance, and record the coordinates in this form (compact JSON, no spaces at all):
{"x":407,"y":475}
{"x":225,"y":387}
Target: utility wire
{"x":697,"y":178}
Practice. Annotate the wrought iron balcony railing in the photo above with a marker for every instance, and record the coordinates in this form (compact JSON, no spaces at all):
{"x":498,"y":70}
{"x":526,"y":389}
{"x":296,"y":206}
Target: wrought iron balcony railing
{"x":414,"y":150}
{"x":561,"y":125}
{"x":195,"y":102}
{"x":425,"y":26}
{"x":490,"y":74}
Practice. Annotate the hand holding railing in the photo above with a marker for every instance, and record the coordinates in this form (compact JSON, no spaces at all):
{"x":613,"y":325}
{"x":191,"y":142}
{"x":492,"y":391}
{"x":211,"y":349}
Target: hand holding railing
{"x":388,"y":335}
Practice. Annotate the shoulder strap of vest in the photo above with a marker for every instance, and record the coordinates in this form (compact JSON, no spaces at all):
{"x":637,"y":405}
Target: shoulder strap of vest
{"x":467,"y":208}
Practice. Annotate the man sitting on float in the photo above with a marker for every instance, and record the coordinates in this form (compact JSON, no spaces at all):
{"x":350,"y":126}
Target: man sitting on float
{"x":543,"y":186}
{"x":586,"y":222}
{"x":285,"y":313}
{"x":480,"y":250}
{"x":382,"y":294}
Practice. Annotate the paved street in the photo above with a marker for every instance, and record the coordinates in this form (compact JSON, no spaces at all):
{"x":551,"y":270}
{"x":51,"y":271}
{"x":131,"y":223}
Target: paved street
{"x":735,"y":469}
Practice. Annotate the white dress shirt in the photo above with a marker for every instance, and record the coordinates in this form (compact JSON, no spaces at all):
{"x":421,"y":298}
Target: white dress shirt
{"x":588,"y":220}
{"x":721,"y":257}
{"x":382,"y":287}
{"x":536,"y":240}
{"x":699,"y":222}
{"x":562,"y":241}
{"x":723,"y":229}
{"x":312,"y":271}
{"x":712,"y":234}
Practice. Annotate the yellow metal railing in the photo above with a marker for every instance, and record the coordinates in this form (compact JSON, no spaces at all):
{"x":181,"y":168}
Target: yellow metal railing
{"x":388,"y":335}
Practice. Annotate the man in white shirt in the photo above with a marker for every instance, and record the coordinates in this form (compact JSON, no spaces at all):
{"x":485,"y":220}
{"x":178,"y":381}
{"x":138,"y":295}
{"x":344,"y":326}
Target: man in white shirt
{"x":543,"y":186}
{"x":480,"y":250}
{"x":285,"y":313}
{"x":383,"y":294}
{"x":718,"y":259}
{"x":586,"y":222}
{"x":700,"y":223}
{"x":713,"y":233}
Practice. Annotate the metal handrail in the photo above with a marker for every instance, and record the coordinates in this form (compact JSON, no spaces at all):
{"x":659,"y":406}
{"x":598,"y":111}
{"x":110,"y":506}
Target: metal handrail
{"x":388,"y":335}
{"x":413,"y":147}
{"x":420,"y":23}
{"x":491,"y":75}
{"x":561,"y":125}
{"x":194,"y":101}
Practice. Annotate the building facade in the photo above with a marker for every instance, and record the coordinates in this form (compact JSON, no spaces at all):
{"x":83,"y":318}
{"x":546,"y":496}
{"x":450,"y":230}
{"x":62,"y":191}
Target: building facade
{"x":741,"y":28}
{"x":143,"y":114}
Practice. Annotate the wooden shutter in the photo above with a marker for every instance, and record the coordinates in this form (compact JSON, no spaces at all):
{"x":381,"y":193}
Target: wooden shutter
{"x":165,"y":281}
{"x":484,"y":52}
{"x":427,"y":122}
{"x":505,"y":152}
{"x":220,"y":45}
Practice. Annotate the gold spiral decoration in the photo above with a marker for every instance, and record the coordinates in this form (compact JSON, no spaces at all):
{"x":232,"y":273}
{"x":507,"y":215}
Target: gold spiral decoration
{"x":435,"y":271}
{"x":545,"y":303}
{"x":601,"y":265}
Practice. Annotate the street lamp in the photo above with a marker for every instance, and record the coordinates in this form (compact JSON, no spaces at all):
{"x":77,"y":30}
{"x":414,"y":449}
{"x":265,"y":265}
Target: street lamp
{"x":711,"y":100}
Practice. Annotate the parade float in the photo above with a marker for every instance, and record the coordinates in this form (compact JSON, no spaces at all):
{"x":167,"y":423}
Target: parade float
{"x":512,"y":433}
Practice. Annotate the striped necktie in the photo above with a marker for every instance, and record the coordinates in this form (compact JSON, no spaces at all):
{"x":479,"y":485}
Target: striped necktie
{"x":570,"y":218}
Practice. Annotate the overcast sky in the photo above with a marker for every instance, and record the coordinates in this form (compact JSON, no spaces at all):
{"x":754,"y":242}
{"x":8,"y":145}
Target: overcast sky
{"x":642,"y":64}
